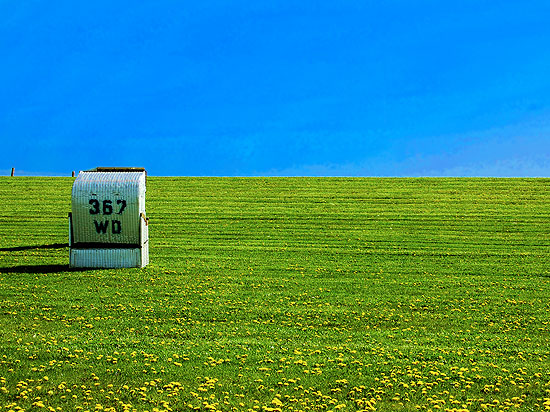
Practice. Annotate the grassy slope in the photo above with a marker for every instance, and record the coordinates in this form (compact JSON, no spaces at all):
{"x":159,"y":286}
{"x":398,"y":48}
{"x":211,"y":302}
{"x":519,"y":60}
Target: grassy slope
{"x":285,"y":293}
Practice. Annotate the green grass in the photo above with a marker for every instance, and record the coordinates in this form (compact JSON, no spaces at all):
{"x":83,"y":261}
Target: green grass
{"x":284,"y":294}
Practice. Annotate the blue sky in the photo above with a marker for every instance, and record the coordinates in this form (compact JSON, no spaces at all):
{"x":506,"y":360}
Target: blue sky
{"x":241,"y":88}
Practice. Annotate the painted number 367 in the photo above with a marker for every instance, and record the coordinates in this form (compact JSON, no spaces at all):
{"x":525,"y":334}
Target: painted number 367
{"x":106,"y":206}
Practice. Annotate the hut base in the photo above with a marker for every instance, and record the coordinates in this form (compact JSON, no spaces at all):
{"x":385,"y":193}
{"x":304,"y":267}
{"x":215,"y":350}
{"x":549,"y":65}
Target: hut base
{"x":109,"y":258}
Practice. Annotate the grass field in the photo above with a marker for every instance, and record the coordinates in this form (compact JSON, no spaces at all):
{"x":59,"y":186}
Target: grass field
{"x":284,"y":294}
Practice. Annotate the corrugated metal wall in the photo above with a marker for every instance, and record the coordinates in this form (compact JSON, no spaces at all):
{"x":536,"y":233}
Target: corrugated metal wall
{"x":107,"y":223}
{"x":106,"y":207}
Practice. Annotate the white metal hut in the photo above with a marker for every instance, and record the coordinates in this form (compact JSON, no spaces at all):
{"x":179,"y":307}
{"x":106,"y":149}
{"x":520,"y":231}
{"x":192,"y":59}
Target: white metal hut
{"x":107,"y":225}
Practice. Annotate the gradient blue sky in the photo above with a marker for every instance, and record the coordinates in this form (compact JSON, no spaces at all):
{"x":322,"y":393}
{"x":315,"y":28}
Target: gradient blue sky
{"x":354,"y":88}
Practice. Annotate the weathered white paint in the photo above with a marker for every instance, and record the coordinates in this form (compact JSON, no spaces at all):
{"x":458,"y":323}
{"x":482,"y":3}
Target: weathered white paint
{"x":108,"y":220}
